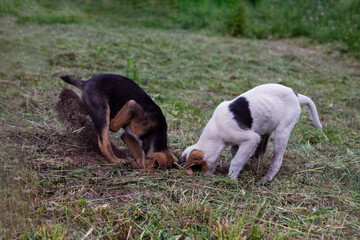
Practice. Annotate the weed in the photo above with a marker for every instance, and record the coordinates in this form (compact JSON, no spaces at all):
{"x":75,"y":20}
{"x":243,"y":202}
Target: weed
{"x":131,"y":71}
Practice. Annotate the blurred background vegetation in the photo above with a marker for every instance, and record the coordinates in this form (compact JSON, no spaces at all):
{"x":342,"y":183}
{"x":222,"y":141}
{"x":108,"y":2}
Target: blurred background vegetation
{"x":326,"y":21}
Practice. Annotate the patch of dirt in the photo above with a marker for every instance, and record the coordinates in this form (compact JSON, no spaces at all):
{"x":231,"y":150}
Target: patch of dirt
{"x":72,"y":112}
{"x":65,"y":151}
{"x":80,"y":130}
{"x":75,"y":159}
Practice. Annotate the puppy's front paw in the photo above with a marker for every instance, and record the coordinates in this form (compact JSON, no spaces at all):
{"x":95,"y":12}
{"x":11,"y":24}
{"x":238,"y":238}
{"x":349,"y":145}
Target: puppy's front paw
{"x":264,"y":180}
{"x":233,"y":176}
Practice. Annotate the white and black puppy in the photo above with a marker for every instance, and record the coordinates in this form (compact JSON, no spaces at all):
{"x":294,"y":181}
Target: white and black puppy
{"x":246,"y":124}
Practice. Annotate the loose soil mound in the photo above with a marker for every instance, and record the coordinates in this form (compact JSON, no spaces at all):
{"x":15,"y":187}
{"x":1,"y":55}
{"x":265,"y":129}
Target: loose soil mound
{"x":71,"y":111}
{"x":80,"y":129}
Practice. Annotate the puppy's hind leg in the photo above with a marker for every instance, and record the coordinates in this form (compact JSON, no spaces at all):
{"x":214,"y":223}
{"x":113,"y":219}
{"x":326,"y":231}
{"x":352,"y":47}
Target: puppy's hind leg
{"x":124,"y":116}
{"x":99,"y":111}
{"x":247,"y":144}
{"x":101,"y":122}
{"x":281,"y":138}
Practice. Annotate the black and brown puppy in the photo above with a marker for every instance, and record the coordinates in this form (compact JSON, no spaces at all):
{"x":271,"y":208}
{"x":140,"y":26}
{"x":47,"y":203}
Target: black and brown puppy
{"x":115,"y":102}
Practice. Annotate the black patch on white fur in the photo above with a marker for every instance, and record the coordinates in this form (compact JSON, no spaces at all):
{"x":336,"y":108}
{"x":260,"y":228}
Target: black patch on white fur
{"x":241,"y":111}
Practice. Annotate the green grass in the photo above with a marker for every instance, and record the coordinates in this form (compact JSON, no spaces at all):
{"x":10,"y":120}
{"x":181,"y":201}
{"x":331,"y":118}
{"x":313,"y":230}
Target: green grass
{"x":332,"y":21}
{"x":325,"y":21}
{"x":54,"y":188}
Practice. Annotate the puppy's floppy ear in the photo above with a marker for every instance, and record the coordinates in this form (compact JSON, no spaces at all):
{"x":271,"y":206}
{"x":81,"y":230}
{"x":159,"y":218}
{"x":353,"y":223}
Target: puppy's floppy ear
{"x":158,"y":160}
{"x":171,"y":157}
{"x":196,"y":162}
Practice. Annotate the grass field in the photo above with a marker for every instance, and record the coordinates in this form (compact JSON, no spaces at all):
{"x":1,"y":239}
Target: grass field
{"x":54,"y":187}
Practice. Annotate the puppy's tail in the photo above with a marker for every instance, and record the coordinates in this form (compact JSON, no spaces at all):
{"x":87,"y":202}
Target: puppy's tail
{"x":76,"y":82}
{"x":312,"y":109}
